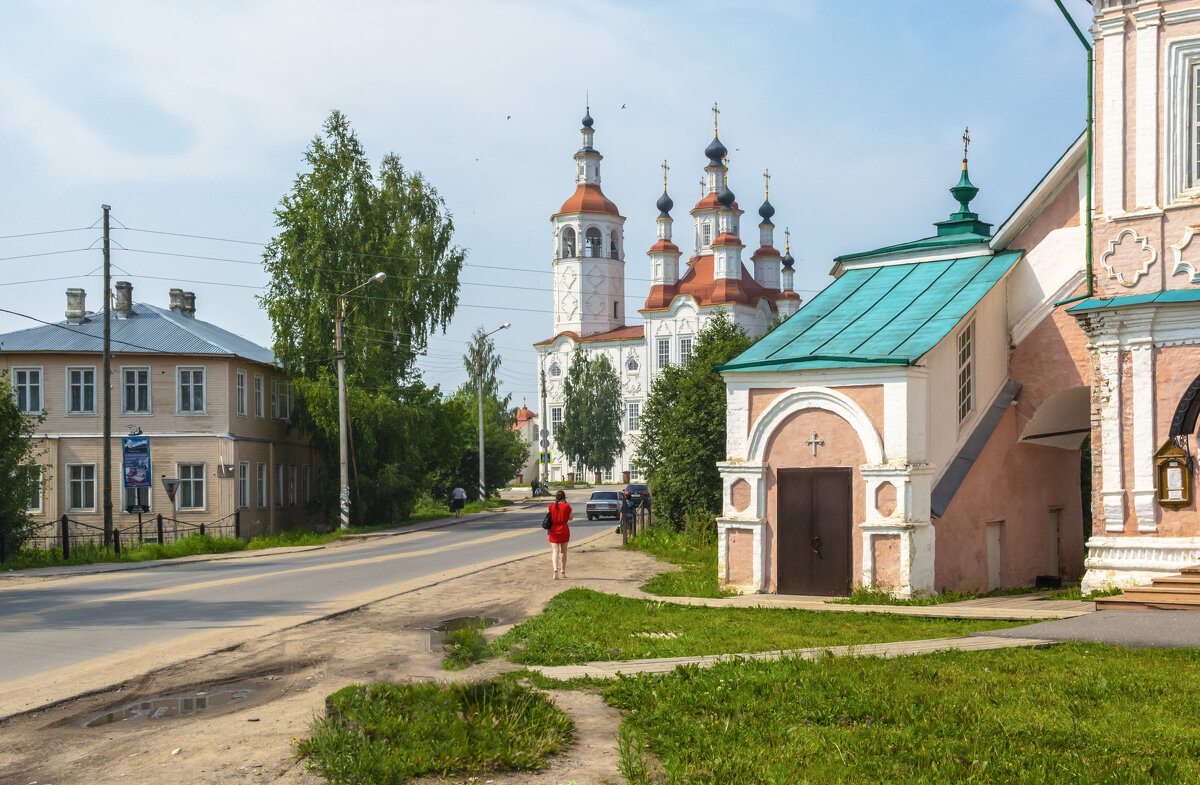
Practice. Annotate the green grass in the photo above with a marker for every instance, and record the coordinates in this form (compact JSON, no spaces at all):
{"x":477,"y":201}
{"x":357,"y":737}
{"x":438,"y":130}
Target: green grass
{"x":206,"y":544}
{"x":865,"y":595}
{"x":698,"y":576}
{"x":580,"y":625}
{"x":464,"y":648}
{"x":1074,"y":593}
{"x":390,"y":733}
{"x":1075,"y":713}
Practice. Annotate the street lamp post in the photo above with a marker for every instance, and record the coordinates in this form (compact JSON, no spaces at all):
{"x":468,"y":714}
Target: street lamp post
{"x":343,"y":417}
{"x":479,"y":375}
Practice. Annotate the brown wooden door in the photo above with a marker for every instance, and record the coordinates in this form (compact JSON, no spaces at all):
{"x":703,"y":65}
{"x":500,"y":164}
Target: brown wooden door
{"x":813,"y":522}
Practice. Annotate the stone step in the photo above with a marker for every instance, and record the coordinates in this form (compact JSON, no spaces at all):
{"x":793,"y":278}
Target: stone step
{"x":1147,"y":603}
{"x":1159,"y":593}
{"x":1175,"y":581}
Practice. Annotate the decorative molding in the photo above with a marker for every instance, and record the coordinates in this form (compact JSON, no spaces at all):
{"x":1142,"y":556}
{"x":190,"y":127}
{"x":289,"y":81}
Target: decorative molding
{"x":1180,"y":56}
{"x":757,"y":528}
{"x":815,"y":398}
{"x":1132,"y":561}
{"x":1112,"y":141}
{"x":1177,"y":249}
{"x":1112,"y":249}
{"x":1145,"y":142}
{"x":1027,"y":323}
{"x":1185,"y":15}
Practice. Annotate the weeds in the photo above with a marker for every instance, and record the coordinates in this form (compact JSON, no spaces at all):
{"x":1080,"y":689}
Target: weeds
{"x":463,"y":649}
{"x":693,"y":550}
{"x":871,"y":595}
{"x":632,"y":753}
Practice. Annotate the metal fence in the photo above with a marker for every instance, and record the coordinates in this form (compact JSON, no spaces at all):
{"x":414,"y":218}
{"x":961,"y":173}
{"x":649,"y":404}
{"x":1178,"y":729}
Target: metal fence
{"x":67,"y":534}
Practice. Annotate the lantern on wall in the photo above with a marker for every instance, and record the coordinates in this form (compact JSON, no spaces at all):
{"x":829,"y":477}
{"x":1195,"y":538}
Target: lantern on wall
{"x":1173,"y":467}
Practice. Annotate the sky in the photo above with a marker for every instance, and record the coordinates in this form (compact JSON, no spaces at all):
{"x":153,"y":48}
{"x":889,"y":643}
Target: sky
{"x":193,"y":118}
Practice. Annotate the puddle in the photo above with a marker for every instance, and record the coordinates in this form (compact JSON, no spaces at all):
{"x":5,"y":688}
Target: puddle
{"x":175,"y":706}
{"x":467,"y":623}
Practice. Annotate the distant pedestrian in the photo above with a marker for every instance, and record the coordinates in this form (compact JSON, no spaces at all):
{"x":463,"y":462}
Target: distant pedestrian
{"x":559,"y":534}
{"x":533,"y":487}
{"x":458,"y":500}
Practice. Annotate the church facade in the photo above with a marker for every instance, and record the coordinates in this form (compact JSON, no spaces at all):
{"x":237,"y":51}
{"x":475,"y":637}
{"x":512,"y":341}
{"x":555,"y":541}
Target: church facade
{"x":592,"y":314}
{"x":920,"y":424}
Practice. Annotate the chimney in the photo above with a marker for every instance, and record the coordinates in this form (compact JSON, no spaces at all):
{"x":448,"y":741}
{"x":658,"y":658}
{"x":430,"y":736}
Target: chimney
{"x":176,"y":300}
{"x":189,"y":305}
{"x":123,"y":302}
{"x":75,"y":308}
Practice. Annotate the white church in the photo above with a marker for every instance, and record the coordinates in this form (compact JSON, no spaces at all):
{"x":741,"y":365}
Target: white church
{"x":590,"y":309}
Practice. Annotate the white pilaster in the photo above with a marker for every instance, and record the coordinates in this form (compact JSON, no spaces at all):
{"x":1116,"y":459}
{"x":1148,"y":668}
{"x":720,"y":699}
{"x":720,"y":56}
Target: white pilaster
{"x":1112,"y":489}
{"x":1142,"y":381}
{"x":1112,"y":142}
{"x":1147,"y":22}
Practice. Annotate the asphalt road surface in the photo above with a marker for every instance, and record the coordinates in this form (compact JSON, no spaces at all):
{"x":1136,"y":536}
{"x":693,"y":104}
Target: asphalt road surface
{"x":67,"y":621}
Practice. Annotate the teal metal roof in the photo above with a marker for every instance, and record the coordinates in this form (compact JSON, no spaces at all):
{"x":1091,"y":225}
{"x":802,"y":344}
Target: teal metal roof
{"x":924,"y":244}
{"x":1169,"y":296}
{"x":871,"y":316}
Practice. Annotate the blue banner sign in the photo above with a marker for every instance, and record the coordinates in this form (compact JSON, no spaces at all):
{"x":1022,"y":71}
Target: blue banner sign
{"x":135,"y":461}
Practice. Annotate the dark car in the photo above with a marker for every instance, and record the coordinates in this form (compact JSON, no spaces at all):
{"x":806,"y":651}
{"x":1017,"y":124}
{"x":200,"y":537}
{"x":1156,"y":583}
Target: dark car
{"x":603,"y":503}
{"x":639,"y":493}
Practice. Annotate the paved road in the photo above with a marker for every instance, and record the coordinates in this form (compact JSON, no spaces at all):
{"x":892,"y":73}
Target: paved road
{"x":69,"y":621}
{"x":1137,"y":629}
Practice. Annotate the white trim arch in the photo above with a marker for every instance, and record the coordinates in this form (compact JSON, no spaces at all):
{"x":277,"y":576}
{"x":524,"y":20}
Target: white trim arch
{"x":814,"y":398}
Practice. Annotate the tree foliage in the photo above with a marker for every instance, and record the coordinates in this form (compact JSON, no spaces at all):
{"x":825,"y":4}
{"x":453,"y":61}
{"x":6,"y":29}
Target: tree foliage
{"x":18,"y":467}
{"x":683,"y":425}
{"x":481,"y":356}
{"x":591,"y":424}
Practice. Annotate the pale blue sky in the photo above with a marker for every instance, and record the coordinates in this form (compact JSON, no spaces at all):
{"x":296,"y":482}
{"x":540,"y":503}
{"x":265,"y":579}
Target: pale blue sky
{"x":193,"y":118}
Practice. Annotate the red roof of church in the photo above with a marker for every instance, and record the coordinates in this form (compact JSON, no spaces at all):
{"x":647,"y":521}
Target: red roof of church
{"x":725,"y":238}
{"x":623,"y":333}
{"x":524,"y":415}
{"x":664,"y":245}
{"x":710,"y":202}
{"x":588,"y":198}
{"x":699,"y":284}
{"x":765,"y":250}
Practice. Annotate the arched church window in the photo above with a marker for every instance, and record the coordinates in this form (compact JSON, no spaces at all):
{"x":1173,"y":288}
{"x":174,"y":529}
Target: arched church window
{"x":555,"y":370}
{"x":568,"y":242}
{"x":631,"y":364}
{"x":705,"y":234}
{"x":612,"y":246}
{"x":594,"y":243}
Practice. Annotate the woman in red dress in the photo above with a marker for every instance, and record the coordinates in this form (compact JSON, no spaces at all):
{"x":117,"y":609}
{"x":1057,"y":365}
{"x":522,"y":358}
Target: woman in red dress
{"x":559,"y":533}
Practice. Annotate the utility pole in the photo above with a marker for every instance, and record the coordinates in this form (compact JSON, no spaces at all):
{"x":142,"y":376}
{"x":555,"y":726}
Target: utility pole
{"x":106,"y":388}
{"x":343,"y":448}
{"x":545,"y":429}
{"x":479,"y":374}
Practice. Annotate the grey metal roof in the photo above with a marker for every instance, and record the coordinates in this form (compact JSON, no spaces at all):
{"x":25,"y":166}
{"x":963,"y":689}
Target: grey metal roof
{"x":148,"y":330}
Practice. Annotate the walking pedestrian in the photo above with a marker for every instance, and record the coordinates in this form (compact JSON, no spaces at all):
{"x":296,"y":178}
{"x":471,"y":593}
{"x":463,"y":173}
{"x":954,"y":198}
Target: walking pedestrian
{"x":458,"y":501}
{"x":533,"y":487}
{"x":559,"y":534}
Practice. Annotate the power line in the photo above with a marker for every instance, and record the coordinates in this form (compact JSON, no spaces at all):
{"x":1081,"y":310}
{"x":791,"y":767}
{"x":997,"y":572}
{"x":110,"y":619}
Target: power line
{"x":48,"y":231}
{"x":45,"y":253}
{"x":78,"y":332}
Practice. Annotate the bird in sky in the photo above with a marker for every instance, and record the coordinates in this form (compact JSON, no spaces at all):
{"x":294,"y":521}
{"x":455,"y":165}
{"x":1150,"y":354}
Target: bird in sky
{"x":508,"y":118}
{"x":622,"y":106}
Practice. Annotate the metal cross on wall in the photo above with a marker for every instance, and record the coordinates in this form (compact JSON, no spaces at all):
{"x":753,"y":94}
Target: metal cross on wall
{"x":814,"y":442}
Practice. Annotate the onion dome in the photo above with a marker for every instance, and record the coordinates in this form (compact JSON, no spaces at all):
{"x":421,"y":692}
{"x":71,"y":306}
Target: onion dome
{"x":587,"y":118}
{"x":766,"y":211}
{"x":787,"y":260}
{"x":725,"y":197}
{"x":716,"y":152}
{"x":664,"y":205}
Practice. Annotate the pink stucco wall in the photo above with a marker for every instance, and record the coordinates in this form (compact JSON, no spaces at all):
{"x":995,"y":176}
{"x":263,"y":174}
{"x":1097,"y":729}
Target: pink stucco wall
{"x":886,"y":552}
{"x":1175,"y":368}
{"x":787,"y":450}
{"x":741,"y":557}
{"x":869,"y":398}
{"x":739,"y":494}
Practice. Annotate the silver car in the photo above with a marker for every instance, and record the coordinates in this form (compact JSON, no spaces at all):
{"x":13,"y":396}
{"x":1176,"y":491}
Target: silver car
{"x":604,"y":503}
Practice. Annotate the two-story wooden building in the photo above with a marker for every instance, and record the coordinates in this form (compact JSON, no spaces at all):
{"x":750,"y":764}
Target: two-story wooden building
{"x":215,"y":408}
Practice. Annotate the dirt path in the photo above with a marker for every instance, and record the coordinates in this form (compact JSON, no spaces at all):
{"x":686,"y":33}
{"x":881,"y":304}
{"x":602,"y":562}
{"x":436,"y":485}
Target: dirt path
{"x":281,"y":681}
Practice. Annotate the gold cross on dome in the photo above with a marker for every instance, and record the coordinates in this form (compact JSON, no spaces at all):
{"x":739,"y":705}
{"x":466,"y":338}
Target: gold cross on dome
{"x":767,"y":178}
{"x":665,"y":169}
{"x":787,"y":239}
{"x":701,"y":187}
{"x":966,"y":141}
{"x":716,"y":112}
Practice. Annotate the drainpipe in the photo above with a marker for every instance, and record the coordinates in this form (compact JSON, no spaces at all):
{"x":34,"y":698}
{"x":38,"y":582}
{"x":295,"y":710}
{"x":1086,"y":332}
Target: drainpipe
{"x":1091,"y":67}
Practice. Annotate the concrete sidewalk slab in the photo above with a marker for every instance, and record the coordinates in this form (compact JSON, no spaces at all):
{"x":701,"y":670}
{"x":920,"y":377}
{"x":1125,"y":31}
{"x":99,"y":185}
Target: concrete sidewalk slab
{"x":1137,"y":629}
{"x":613,"y":668}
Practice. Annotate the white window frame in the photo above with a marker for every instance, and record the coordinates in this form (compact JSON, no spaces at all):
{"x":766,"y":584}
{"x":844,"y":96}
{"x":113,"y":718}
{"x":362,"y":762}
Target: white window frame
{"x":83,"y":483}
{"x":39,"y":386}
{"x":243,"y":485}
{"x":705,"y":234}
{"x":191,"y":483}
{"x":662,"y":348}
{"x":289,"y":400}
{"x":137,"y":493}
{"x":261,"y":486}
{"x":631,"y":364}
{"x":275,"y":399}
{"x":1179,"y":145}
{"x":633,"y":413}
{"x":685,"y":349}
{"x":41,"y":486}
{"x":555,"y":370}
{"x":81,"y":412}
{"x":635,"y":473}
{"x":180,"y":370}
{"x":966,"y":364}
{"x":305,"y":483}
{"x":556,"y":417}
{"x":608,"y":474}
{"x":149,"y":392}
{"x":240,"y":393}
{"x":279,"y":485}
{"x":259,"y":403}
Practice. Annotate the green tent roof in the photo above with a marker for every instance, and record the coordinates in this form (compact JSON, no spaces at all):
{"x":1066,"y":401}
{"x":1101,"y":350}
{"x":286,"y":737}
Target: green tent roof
{"x":870,"y":316}
{"x":1168,"y":296}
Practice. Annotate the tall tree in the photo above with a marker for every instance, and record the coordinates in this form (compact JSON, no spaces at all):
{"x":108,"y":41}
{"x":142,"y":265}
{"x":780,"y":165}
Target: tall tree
{"x":19,"y":479}
{"x":683,"y":424}
{"x":482,"y":357}
{"x":591,"y":424}
{"x":339,"y":225}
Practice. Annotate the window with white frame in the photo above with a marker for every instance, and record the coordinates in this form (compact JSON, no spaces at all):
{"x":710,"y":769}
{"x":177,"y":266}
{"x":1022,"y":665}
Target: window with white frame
{"x":631,"y":364}
{"x":135,"y":390}
{"x":262,"y":486}
{"x":81,"y":486}
{"x":189,"y":495}
{"x":81,"y":391}
{"x":279,"y":485}
{"x":292,"y":484}
{"x":33,"y":502}
{"x":633,"y":411}
{"x":275,"y":397}
{"x":258,"y":395}
{"x":664,"y":352}
{"x":966,"y":372}
{"x":1194,"y":127}
{"x":191,"y":390}
{"x":27,"y":389}
{"x":635,"y":472}
{"x":685,"y":350}
{"x":554,"y":369}
{"x":289,"y":401}
{"x":244,"y":485}
{"x":705,"y":234}
{"x":556,"y":413}
{"x":305,"y":484}
{"x":241,"y":393}
{"x":135,"y":496}
{"x":608,"y":474}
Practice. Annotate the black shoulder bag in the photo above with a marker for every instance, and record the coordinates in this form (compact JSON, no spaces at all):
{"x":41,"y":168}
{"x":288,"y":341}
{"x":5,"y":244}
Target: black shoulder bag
{"x":548,"y":520}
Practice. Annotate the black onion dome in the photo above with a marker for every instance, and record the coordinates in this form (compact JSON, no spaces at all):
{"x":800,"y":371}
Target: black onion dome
{"x":587,"y":118}
{"x":725,"y":197}
{"x":766,"y":211}
{"x":664,"y":204}
{"x":787,"y":260}
{"x":715,"y":152}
